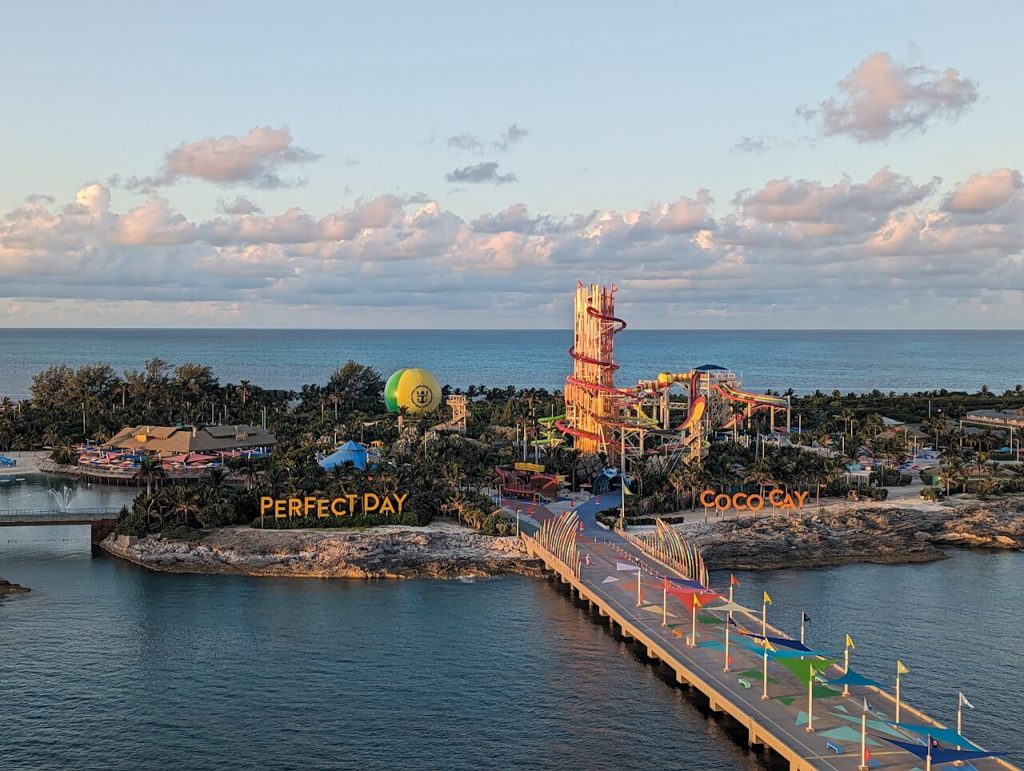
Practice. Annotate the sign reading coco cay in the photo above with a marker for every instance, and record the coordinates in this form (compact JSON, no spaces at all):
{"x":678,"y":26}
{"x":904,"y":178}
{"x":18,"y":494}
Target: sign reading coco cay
{"x":777,"y":499}
{"x":322,"y":508}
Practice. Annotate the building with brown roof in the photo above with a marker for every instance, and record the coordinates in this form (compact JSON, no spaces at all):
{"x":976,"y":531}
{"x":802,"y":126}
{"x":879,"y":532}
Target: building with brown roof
{"x":189,"y":439}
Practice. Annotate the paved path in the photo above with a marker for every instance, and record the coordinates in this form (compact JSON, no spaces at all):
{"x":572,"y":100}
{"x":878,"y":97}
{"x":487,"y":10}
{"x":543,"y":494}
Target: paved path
{"x":784,"y":714}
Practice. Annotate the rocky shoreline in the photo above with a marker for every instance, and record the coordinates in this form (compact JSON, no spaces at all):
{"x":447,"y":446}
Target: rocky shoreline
{"x":7,"y":588}
{"x":437,"y":551}
{"x":875,"y":535}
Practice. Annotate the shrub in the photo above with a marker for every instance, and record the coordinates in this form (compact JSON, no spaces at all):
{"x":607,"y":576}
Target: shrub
{"x":933,"y":493}
{"x":130,"y":522}
{"x":889,"y":477}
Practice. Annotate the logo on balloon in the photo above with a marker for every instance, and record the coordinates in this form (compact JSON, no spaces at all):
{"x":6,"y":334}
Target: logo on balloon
{"x":422,"y":395}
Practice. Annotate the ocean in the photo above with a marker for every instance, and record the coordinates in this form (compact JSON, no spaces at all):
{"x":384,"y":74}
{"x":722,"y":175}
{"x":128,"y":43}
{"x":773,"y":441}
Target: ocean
{"x":777,"y":359}
{"x":109,"y":666}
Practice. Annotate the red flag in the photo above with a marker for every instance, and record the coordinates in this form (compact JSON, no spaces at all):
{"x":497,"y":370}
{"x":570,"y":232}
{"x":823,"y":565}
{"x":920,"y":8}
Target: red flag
{"x":664,"y":583}
{"x":733,"y":581}
{"x":867,"y":754}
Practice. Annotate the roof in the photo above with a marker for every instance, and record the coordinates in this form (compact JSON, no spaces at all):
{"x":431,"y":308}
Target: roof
{"x":190,"y":439}
{"x":350,"y":452}
{"x":710,"y":368}
{"x":892,"y":421}
{"x":994,"y":417}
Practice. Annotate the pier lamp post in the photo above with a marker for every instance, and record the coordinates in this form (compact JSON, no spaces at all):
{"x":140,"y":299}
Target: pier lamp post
{"x":639,"y":575}
{"x":517,"y":523}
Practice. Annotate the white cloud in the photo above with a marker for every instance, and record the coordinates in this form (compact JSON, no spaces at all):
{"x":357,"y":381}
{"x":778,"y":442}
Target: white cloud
{"x":802,"y":244}
{"x":252,"y":160}
{"x":880,"y":99}
{"x":984,"y":192}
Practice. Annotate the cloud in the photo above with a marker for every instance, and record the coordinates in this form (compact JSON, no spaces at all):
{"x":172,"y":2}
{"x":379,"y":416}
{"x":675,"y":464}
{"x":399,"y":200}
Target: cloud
{"x":753,"y":145}
{"x":252,"y":160}
{"x":479,"y":174}
{"x":881,"y":99}
{"x":794,"y":252}
{"x":241,"y":205}
{"x":513,"y":135}
{"x":984,"y":192}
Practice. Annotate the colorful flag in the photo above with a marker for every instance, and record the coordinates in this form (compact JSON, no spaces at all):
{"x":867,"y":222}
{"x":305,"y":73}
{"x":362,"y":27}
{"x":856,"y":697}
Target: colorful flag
{"x":867,"y":754}
{"x":866,"y":707}
{"x":849,"y":642}
{"x":901,"y":668}
{"x":733,"y":580}
{"x":696,"y":604}
{"x":767,"y":599}
{"x":626,"y":490}
{"x":964,"y":702}
{"x":768,"y":645}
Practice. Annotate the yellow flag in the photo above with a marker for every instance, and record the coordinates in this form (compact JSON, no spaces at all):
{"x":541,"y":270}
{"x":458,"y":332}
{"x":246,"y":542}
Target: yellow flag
{"x":767,"y":599}
{"x":849,"y":642}
{"x":901,"y":668}
{"x":769,"y":646}
{"x":696,"y":602}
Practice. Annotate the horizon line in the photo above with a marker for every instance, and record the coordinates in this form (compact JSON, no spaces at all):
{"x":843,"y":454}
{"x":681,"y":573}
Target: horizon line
{"x":515,"y":329}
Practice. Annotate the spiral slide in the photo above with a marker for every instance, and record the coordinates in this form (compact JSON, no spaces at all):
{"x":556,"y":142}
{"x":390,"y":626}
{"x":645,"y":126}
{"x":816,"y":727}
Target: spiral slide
{"x":758,"y":401}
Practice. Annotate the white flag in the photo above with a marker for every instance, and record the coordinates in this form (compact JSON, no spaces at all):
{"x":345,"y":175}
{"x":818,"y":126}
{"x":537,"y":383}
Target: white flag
{"x":964,"y":702}
{"x":626,"y":566}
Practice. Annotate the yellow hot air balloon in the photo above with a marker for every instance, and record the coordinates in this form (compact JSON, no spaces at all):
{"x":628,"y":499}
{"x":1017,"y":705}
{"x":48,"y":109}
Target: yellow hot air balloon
{"x":415,"y":389}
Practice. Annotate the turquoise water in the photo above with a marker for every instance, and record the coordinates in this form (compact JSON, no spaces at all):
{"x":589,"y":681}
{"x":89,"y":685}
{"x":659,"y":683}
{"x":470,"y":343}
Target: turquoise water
{"x":802,"y":360}
{"x":106,"y":665}
{"x":32,"y":491}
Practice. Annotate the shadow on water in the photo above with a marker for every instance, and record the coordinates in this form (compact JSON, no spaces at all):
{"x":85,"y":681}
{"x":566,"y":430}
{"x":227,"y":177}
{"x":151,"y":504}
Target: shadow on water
{"x":719,"y":725}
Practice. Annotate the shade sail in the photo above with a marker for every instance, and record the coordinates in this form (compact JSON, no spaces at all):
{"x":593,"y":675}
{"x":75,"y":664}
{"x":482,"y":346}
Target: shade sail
{"x":686,"y":582}
{"x":727,"y":607}
{"x":805,"y":669}
{"x":947,"y":735}
{"x":855,"y":679}
{"x":785,"y":642}
{"x":940,"y":754}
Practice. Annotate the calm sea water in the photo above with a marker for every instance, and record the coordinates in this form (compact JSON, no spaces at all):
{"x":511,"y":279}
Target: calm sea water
{"x":108,"y":666}
{"x":802,"y":360}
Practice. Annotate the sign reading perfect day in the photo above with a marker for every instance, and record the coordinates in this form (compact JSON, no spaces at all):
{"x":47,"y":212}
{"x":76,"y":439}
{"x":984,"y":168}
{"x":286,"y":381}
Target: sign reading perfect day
{"x":777,"y":499}
{"x":322,"y":508}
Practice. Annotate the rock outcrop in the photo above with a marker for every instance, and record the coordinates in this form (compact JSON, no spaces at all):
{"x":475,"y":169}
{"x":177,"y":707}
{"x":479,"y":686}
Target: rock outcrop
{"x":438,"y":551}
{"x":6,"y":588}
{"x":881,"y":535}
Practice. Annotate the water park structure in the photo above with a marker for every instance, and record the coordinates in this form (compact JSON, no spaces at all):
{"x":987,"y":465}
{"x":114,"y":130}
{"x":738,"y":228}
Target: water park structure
{"x":626,"y":424}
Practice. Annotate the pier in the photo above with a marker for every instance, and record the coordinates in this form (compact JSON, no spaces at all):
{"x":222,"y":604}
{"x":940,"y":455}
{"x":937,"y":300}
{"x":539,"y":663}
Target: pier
{"x":823,"y":733}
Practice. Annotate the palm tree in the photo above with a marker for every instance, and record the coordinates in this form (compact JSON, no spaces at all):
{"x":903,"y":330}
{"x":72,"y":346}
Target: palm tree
{"x":150,"y":470}
{"x":759,"y":475}
{"x":243,"y":390}
{"x":184,"y":502}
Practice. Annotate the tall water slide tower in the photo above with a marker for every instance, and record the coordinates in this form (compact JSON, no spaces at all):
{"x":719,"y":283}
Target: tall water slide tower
{"x":627,"y":424}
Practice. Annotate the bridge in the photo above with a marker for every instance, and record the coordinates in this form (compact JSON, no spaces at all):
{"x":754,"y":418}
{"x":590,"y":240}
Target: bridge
{"x":808,"y":724}
{"x":101,"y":522}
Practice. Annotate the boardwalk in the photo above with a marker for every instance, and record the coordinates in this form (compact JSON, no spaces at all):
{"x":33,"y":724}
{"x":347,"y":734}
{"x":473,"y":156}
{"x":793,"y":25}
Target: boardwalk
{"x":101,"y":522}
{"x":780,"y":722}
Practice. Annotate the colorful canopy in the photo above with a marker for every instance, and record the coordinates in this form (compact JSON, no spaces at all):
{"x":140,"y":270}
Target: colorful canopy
{"x":785,"y":642}
{"x":687,"y":583}
{"x":941,"y":755}
{"x":947,"y":735}
{"x":804,"y":669}
{"x":734,"y":607}
{"x":855,"y":679}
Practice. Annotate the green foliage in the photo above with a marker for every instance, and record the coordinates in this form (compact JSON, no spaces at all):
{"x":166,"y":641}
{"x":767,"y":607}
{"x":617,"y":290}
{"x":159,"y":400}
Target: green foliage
{"x":889,"y":477}
{"x":933,"y":493}
{"x":131,"y":522}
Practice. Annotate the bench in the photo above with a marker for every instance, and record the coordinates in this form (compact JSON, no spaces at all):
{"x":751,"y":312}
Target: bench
{"x":744,"y":682}
{"x":835,"y":748}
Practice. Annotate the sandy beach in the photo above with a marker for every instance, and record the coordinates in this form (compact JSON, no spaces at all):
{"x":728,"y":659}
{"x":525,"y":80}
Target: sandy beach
{"x":28,"y":462}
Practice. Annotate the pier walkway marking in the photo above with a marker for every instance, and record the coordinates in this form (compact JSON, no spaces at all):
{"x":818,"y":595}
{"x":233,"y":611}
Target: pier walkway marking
{"x":780,"y":722}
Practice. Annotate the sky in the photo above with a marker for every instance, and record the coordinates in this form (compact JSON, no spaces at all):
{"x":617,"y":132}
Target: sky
{"x":462,"y":165}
